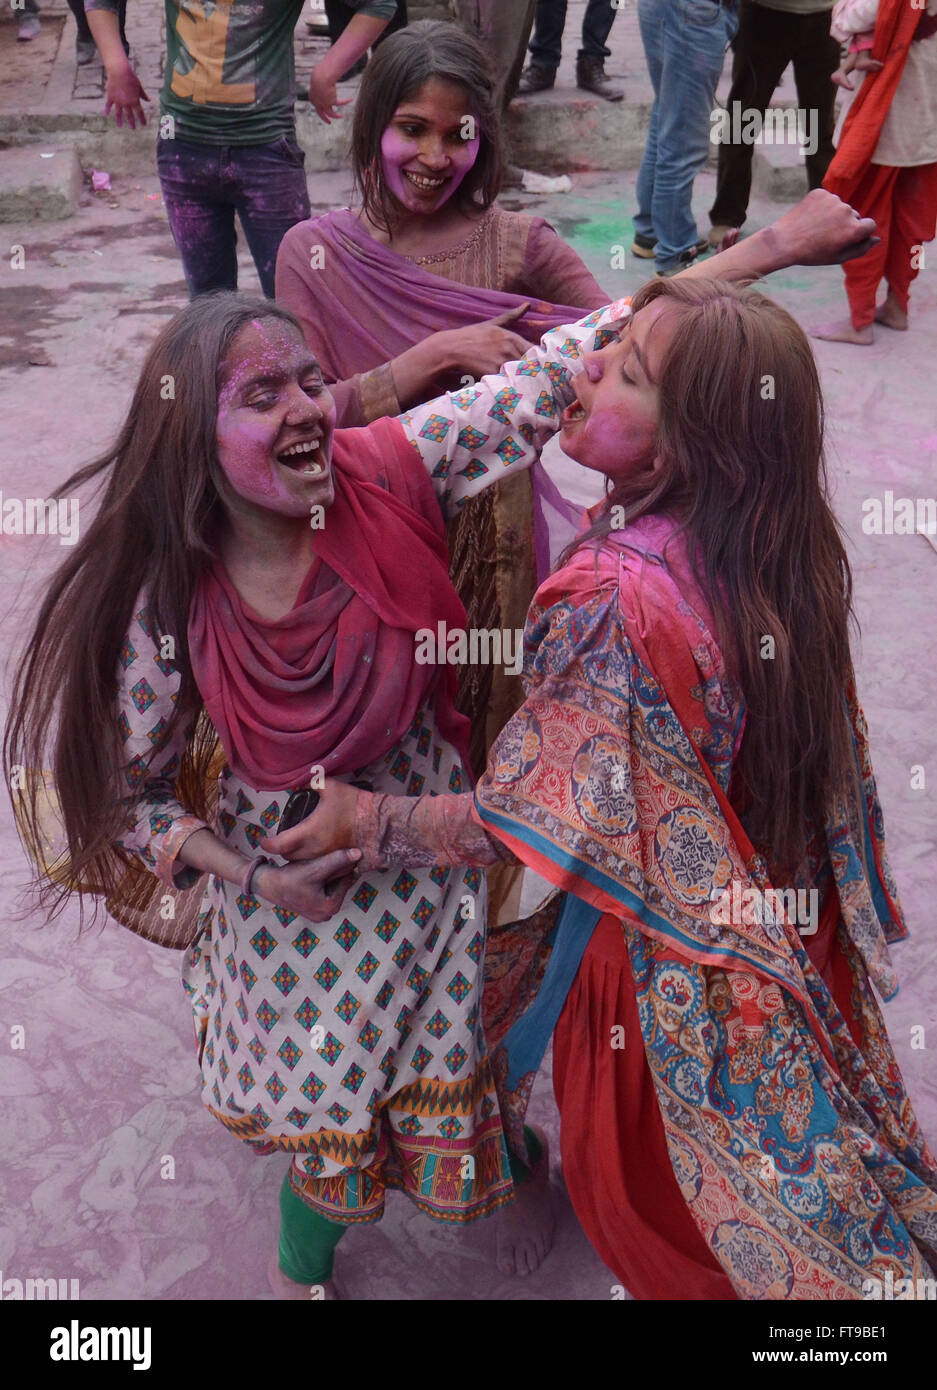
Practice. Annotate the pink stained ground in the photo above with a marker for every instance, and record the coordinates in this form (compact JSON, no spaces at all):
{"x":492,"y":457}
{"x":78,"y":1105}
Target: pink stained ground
{"x":107,"y":1084}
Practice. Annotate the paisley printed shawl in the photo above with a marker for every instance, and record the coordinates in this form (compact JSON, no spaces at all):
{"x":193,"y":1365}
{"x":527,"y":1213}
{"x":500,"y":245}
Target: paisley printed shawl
{"x":788,"y":1125}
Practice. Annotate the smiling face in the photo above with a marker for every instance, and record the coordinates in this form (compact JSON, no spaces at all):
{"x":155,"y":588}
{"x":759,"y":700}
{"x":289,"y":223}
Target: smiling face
{"x":275,"y":421}
{"x":612,"y":425}
{"x":424,"y":156}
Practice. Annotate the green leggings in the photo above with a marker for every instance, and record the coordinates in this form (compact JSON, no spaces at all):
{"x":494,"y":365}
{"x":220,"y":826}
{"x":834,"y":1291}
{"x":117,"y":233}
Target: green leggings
{"x":308,"y":1240}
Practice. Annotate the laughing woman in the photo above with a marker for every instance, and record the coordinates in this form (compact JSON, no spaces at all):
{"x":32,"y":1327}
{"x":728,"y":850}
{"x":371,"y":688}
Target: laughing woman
{"x":691,"y":769}
{"x":254,"y":574}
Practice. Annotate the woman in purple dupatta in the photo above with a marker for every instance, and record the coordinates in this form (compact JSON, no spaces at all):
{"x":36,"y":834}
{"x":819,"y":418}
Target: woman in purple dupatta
{"x":428,"y":284}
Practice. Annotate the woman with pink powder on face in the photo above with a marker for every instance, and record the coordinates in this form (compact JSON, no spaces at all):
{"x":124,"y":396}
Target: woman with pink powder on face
{"x":431,"y":284}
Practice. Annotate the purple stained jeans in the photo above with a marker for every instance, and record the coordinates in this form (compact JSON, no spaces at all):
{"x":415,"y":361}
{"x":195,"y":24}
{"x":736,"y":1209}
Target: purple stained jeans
{"x":205,"y":185}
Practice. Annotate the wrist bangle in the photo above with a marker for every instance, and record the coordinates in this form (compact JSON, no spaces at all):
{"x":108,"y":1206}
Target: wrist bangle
{"x":250,"y":871}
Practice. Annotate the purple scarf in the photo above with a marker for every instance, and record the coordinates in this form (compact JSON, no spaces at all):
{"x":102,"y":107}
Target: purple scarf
{"x":371,"y":304}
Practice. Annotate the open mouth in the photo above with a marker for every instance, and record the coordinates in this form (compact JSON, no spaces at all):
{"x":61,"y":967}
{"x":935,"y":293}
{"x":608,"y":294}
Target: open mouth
{"x":573,"y":414}
{"x":424,"y":182}
{"x":306,"y":458}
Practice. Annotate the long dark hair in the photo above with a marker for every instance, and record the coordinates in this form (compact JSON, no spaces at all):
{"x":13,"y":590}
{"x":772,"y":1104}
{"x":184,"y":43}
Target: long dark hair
{"x":398,"y":68}
{"x":740,"y":436}
{"x":162,"y":489}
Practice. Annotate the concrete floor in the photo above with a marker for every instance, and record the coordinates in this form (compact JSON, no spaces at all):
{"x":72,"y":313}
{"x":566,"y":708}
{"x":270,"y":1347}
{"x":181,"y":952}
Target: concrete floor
{"x":106,"y":1085}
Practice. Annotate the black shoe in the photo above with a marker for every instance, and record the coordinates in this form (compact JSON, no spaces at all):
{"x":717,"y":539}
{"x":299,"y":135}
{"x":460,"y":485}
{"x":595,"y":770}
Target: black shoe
{"x":536,"y":79}
{"x":643,"y":246}
{"x":85,"y":51}
{"x":590,"y":76}
{"x":685,"y":259}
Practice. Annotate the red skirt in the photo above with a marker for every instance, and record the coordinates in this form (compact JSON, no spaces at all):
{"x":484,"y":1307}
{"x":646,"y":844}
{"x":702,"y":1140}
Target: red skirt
{"x":615,"y":1158}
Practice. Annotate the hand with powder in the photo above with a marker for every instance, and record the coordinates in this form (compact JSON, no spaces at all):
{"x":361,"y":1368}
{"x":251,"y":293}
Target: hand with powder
{"x":314,"y":891}
{"x":124,"y":93}
{"x":484,"y":347}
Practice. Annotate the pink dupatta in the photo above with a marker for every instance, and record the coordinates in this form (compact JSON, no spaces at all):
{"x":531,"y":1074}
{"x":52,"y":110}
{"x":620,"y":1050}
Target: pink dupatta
{"x":334,"y":681}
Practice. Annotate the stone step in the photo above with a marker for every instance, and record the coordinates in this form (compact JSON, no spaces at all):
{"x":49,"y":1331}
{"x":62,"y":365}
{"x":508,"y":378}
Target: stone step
{"x":778,"y":172}
{"x":560,"y":133}
{"x":38,"y":183}
{"x":556,"y":132}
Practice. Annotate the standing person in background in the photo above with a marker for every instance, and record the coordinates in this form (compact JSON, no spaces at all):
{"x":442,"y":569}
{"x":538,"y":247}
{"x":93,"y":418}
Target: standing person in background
{"x":771,"y":34}
{"x":546,"y":49}
{"x":684,"y":43}
{"x":886,"y":160}
{"x":227,"y":128}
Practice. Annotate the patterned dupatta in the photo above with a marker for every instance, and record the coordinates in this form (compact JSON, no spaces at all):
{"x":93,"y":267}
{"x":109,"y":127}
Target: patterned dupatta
{"x":788,"y":1125}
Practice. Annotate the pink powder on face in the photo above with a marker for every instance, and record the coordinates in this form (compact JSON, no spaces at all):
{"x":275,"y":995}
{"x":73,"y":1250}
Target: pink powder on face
{"x":248,"y":438}
{"x":421,"y":156}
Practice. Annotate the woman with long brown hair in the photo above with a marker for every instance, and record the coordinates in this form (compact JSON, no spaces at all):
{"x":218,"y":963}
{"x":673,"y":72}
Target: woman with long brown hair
{"x":254,"y":578}
{"x":691,"y":770}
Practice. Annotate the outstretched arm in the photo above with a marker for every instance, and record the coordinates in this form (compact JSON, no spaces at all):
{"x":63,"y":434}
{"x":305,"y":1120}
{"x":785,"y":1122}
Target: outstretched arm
{"x":819,"y":230}
{"x":472,"y":438}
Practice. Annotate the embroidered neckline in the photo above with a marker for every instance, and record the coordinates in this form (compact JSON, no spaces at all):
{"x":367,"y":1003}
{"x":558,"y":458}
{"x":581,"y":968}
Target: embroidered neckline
{"x":437,"y":257}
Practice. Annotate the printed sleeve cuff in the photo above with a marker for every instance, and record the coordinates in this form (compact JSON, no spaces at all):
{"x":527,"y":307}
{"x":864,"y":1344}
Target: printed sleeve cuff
{"x":378,"y":393}
{"x":169,"y":867}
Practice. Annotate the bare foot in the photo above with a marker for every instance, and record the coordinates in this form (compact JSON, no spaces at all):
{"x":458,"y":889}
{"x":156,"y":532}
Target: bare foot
{"x":891,"y":314}
{"x":843,"y":332}
{"x":288,"y":1289}
{"x":525,"y":1228}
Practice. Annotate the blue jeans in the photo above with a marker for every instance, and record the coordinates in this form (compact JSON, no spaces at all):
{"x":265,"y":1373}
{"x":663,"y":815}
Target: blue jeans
{"x":204,"y":185}
{"x":685,"y":43}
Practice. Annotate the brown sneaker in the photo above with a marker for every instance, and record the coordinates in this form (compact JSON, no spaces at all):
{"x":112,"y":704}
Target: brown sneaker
{"x":536,"y":79}
{"x":590,"y":76}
